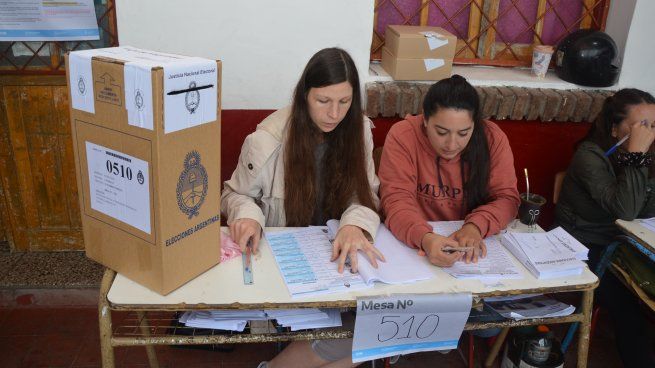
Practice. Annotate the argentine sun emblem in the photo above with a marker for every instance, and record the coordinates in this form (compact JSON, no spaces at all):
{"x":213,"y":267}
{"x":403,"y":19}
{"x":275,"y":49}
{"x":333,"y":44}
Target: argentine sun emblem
{"x":192,"y":98}
{"x":192,"y":185}
{"x":81,"y":85}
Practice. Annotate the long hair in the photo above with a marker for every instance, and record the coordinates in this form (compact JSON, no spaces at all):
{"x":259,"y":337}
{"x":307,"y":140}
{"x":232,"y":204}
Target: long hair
{"x":614,"y":111}
{"x":344,"y":164}
{"x":456,"y":93}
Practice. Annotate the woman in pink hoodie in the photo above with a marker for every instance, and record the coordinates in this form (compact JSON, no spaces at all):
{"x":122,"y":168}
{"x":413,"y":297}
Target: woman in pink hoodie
{"x":445,"y":165}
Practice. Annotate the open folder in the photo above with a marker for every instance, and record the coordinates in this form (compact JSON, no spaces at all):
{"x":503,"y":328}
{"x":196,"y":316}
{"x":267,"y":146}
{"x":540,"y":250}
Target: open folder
{"x":303,"y":258}
{"x":403,"y":264}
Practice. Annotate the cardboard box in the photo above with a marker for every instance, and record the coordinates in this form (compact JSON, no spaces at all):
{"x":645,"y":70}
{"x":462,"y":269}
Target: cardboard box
{"x":420,"y":42}
{"x":415,"y":68}
{"x":146,"y":135}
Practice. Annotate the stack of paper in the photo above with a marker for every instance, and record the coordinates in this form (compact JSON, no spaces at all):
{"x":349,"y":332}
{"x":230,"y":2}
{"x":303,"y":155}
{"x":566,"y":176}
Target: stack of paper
{"x":300,"y":319}
{"x":529,"y":306}
{"x":546,"y":255}
{"x":232,"y":320}
{"x":496,"y":265}
{"x":403,"y":264}
{"x":236,"y":320}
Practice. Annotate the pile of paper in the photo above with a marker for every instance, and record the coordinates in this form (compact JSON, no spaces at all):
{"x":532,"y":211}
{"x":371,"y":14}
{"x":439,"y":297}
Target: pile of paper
{"x":549,"y":254}
{"x":529,"y":306}
{"x":236,"y":320}
{"x":300,"y":319}
{"x":231,"y":320}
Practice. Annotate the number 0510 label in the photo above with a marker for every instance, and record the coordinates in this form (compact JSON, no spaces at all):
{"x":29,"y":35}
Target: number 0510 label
{"x":119,"y":186}
{"x":403,"y":324}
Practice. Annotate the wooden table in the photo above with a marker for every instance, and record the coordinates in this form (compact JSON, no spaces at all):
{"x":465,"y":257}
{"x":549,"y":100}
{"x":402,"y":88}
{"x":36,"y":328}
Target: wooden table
{"x":222,"y":288}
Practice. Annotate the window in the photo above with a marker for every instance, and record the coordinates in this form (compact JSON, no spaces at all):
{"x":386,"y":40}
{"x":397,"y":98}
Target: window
{"x":36,"y":57}
{"x":492,"y":32}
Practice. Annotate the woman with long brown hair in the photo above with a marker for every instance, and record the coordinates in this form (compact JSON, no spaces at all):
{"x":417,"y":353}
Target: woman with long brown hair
{"x":612,"y":176}
{"x":306,"y":164}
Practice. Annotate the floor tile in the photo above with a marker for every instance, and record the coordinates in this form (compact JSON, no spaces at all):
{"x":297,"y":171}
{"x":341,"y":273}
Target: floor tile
{"x":74,"y":321}
{"x":26,"y":322}
{"x":53,"y":351}
{"x":89,"y":353}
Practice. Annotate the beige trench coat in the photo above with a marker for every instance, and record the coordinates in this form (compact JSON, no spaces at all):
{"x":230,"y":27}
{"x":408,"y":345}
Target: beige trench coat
{"x":256,"y":188}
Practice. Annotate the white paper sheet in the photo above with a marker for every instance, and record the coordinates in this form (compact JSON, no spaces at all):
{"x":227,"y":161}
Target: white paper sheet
{"x":431,"y":64}
{"x":496,"y":265}
{"x":80,"y":80}
{"x":408,"y":323}
{"x":435,"y":39}
{"x":194,"y":107}
{"x":403,"y":264}
{"x":119,"y":185}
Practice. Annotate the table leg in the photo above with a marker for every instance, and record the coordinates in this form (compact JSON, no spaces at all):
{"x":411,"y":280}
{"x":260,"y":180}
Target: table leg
{"x":104,"y":320}
{"x":150,"y":349}
{"x":585,"y":327}
{"x":495,"y":348}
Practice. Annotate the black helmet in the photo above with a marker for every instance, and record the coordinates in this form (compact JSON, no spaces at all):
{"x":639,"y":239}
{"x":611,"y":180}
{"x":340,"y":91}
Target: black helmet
{"x":585,"y":57}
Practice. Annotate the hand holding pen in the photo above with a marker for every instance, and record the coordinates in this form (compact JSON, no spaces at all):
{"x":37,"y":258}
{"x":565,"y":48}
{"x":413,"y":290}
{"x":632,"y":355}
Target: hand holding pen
{"x":642,"y":134}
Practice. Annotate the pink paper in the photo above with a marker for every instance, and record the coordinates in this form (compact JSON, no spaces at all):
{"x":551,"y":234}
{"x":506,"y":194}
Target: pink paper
{"x":229,"y":249}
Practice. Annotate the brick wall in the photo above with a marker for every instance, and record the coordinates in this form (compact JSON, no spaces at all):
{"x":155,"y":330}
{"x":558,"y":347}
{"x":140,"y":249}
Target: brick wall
{"x":388,"y":99}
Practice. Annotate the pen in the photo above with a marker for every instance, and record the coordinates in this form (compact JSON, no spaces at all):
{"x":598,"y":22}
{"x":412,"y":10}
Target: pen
{"x":614,"y":147}
{"x":458,"y":249}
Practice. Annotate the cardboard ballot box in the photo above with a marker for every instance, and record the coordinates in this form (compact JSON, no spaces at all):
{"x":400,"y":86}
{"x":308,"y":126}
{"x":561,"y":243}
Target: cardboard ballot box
{"x":418,"y":52}
{"x":146,"y":135}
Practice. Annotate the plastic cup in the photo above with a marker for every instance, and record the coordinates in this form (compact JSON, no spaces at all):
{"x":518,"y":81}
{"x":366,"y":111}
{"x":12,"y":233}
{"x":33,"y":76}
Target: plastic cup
{"x":541,"y":55}
{"x":530,"y":208}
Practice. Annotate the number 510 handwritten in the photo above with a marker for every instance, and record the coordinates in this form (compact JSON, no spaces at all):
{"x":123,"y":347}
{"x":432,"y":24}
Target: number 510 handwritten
{"x":390,"y":327}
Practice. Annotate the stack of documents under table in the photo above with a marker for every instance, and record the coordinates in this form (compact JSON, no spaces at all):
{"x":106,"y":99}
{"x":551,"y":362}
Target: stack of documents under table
{"x":236,"y":320}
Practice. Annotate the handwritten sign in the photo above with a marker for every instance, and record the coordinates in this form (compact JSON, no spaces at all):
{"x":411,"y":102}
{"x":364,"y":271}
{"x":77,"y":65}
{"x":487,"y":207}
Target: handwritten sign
{"x":403,"y":324}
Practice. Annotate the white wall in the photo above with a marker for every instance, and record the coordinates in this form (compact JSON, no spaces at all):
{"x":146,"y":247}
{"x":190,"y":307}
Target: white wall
{"x":264,"y":44}
{"x":638,"y":69}
{"x":619,"y":18}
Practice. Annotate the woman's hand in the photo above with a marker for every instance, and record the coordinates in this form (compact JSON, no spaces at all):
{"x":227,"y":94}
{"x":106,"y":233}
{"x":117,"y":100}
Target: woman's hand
{"x":243,"y":230}
{"x":642,"y":135}
{"x":348,"y":241}
{"x":469,"y":236}
{"x":433,"y":244}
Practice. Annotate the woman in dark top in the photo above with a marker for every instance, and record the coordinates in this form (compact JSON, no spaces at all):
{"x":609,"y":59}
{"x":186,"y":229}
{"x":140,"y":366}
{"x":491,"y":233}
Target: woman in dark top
{"x":602,"y":185}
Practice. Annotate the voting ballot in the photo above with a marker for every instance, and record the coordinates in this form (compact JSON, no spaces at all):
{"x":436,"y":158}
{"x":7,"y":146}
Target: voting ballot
{"x":146,"y":136}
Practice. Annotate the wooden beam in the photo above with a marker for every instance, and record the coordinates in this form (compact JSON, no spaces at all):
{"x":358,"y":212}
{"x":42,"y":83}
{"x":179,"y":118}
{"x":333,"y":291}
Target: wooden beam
{"x":485,"y":47}
{"x":425,"y":10}
{"x":587,"y":15}
{"x":539,"y":26}
{"x":475,"y":18}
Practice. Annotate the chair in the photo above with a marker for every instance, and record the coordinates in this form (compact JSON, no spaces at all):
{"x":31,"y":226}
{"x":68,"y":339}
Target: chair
{"x":377,"y":155}
{"x":557,"y":187}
